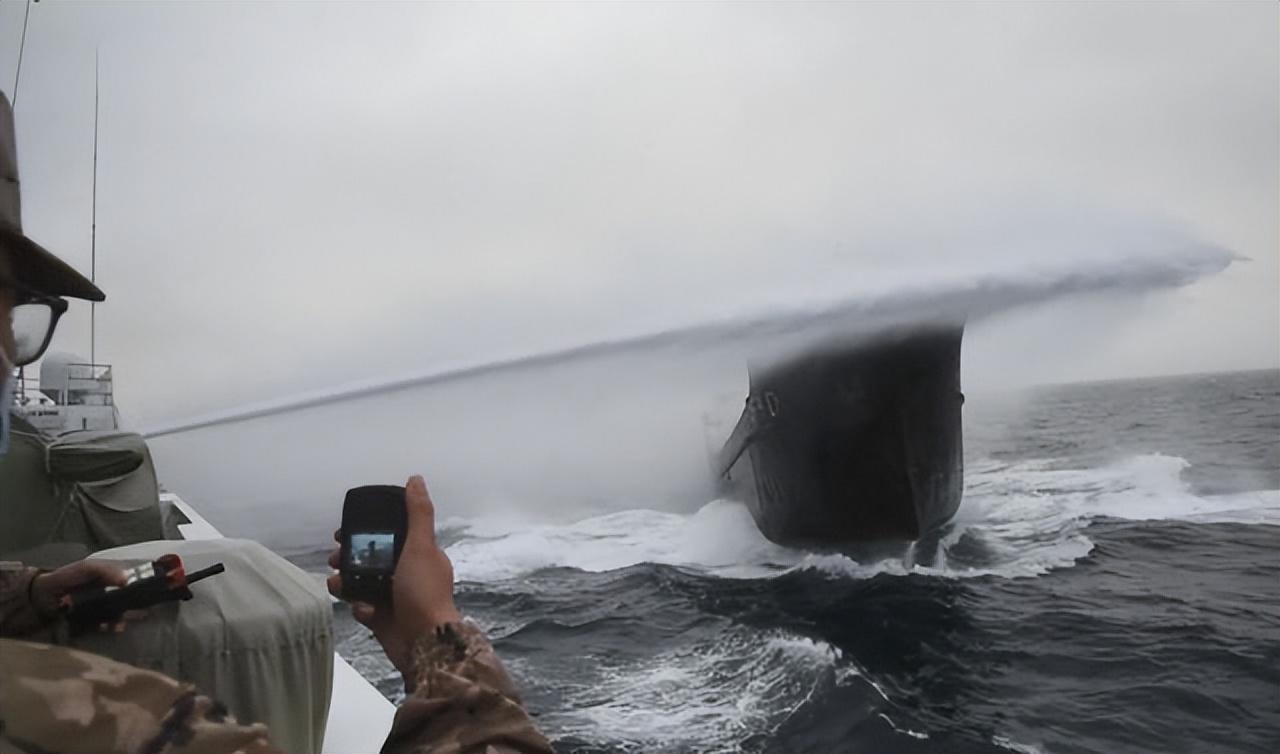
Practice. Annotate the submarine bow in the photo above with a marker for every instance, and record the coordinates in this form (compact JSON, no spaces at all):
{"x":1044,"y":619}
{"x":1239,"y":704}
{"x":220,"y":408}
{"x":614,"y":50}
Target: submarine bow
{"x":852,"y":443}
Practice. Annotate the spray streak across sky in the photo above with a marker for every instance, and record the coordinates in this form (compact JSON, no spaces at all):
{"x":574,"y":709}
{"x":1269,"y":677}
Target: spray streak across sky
{"x":1126,"y":262}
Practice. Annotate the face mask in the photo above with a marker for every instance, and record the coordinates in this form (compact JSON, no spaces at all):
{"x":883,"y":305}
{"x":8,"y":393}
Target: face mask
{"x":6,"y":401}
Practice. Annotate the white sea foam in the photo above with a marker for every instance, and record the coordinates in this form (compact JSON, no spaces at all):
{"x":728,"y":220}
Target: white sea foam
{"x":904,"y":731}
{"x":1017,"y":520}
{"x":696,"y":697}
{"x":1005,"y":743}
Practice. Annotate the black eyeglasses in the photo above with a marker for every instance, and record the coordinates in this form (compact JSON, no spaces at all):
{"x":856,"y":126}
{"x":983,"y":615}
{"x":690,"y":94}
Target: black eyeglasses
{"x":35,"y":317}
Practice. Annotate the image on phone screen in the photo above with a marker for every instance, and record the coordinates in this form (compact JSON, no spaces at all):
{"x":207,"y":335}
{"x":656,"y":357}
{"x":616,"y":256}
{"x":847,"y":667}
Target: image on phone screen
{"x":373,"y":550}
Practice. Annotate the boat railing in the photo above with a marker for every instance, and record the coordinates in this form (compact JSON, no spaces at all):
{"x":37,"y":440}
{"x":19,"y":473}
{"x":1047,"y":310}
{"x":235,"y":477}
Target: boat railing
{"x":80,"y":384}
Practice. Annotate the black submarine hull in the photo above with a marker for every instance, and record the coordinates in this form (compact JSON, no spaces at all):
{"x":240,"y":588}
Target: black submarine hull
{"x":854,"y":444}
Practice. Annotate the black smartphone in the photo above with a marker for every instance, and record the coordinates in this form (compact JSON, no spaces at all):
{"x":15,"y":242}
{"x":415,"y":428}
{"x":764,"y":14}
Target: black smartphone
{"x":374,"y":523}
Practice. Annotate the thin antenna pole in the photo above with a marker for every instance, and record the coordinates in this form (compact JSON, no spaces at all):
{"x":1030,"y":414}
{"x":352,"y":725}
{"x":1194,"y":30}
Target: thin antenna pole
{"x":93,"y":231}
{"x":22,"y":46}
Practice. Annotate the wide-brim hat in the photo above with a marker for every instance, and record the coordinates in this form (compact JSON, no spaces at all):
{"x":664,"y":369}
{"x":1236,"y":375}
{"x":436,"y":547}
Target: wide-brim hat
{"x":33,"y":265}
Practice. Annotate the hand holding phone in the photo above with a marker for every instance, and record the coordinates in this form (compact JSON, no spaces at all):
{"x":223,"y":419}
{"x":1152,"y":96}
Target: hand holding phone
{"x":423,"y":576}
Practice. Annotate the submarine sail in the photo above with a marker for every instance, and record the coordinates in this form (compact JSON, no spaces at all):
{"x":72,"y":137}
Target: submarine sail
{"x":853,"y":443}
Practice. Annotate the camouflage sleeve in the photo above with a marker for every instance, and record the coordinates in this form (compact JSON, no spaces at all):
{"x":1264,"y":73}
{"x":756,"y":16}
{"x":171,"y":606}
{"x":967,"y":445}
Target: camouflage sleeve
{"x":463,"y":701}
{"x":56,"y":699}
{"x":18,"y":617}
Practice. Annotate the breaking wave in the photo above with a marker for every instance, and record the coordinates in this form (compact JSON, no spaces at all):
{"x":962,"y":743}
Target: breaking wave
{"x":1017,"y":520}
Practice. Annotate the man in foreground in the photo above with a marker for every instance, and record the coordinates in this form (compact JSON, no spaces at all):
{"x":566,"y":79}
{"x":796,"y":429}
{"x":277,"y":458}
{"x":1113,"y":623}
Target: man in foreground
{"x":459,"y":697}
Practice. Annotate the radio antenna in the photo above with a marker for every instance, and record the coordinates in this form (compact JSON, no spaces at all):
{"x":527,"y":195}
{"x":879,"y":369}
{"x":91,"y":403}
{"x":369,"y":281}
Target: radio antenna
{"x":93,"y":230}
{"x":22,"y":46}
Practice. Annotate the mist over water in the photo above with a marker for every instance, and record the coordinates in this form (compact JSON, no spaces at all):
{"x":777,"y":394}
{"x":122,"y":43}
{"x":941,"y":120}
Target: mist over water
{"x":624,"y":422}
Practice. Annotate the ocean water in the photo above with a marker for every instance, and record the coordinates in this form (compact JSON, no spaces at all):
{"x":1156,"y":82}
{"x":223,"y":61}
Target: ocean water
{"x":1111,"y":584}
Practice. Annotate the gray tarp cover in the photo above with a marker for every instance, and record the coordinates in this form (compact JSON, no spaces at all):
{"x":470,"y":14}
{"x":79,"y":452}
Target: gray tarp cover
{"x":95,"y":456}
{"x":258,"y":637}
{"x":94,"y":487}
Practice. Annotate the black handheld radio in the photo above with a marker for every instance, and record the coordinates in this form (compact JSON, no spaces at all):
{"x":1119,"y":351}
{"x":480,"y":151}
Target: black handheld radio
{"x":162,"y":580}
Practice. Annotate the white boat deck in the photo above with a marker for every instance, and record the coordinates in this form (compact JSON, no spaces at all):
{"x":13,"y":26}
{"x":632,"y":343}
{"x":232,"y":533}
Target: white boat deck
{"x":359,"y":715}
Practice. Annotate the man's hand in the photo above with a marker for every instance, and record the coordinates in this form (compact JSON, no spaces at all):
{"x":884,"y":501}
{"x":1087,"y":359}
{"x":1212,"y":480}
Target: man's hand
{"x":421,"y":591}
{"x":47,"y":589}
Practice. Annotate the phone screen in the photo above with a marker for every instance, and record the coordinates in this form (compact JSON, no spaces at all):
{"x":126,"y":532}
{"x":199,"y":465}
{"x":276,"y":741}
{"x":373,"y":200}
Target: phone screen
{"x":373,"y":551}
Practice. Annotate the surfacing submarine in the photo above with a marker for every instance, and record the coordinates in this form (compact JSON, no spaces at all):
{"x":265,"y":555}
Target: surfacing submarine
{"x":852,"y":443}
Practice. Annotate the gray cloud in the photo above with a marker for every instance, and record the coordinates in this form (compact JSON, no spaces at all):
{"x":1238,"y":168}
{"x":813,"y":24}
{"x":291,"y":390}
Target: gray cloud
{"x":296,"y":196}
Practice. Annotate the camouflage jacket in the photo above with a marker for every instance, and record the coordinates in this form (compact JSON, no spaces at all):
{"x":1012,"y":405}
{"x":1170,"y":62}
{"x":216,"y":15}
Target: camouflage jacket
{"x":57,"y":699}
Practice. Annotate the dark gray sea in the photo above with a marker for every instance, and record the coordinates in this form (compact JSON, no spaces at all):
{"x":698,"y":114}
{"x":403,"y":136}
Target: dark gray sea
{"x":1111,"y":584}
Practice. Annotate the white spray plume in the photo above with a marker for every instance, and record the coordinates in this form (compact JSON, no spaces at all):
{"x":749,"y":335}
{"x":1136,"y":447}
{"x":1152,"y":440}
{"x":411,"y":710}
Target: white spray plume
{"x":627,"y":422}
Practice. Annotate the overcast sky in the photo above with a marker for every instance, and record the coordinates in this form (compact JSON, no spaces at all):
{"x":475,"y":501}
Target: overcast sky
{"x":299,"y":195}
